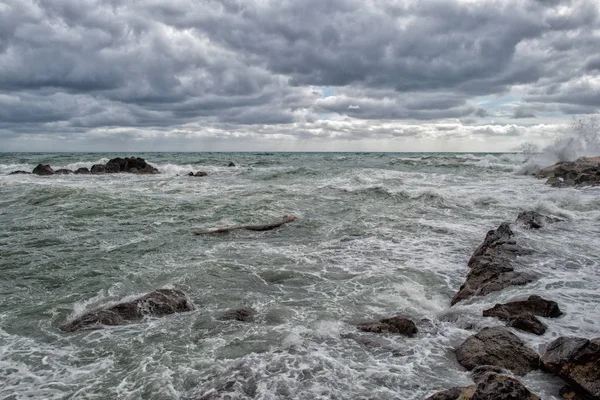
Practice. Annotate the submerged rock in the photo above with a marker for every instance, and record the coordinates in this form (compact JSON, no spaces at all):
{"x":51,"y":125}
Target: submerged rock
{"x":63,"y":171}
{"x":201,"y":173}
{"x":19,"y":172}
{"x":498,"y":347}
{"x":156,"y":304}
{"x":534,"y":220}
{"x":82,"y":170}
{"x":400,"y":325}
{"x":577,"y":362}
{"x":244,"y":314}
{"x":581,"y":172}
{"x":231,"y":164}
{"x":491,"y":265}
{"x":42,"y":169}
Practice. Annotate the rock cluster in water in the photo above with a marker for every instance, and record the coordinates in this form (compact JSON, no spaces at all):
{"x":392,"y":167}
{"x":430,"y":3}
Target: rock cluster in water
{"x":581,"y":172}
{"x":132,"y":165}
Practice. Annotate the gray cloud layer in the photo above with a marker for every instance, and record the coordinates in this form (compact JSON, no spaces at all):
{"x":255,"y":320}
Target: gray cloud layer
{"x":71,"y":67}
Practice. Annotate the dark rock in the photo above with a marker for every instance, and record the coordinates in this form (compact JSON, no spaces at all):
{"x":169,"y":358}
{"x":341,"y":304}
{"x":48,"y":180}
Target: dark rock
{"x":201,"y":173}
{"x":231,"y":164}
{"x":568,"y":393}
{"x":244,"y":314}
{"x":156,"y":304}
{"x":491,"y":265}
{"x":396,"y":324}
{"x":98,"y":169}
{"x":581,"y":172}
{"x":191,"y":174}
{"x":130,"y":164}
{"x":491,"y":386}
{"x":534,"y":220}
{"x":63,"y":171}
{"x":42,"y":169}
{"x":527,"y":323}
{"x":19,"y":172}
{"x":458,"y":393}
{"x":534,"y":305}
{"x":82,"y":170}
{"x":478,"y":373}
{"x":577,"y":362}
{"x":499,"y":347}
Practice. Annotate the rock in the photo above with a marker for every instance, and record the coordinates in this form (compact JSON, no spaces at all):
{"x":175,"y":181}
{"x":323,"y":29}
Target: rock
{"x":534,"y":220}
{"x":534,"y":305}
{"x":491,"y":386}
{"x":63,"y":171}
{"x":577,"y":362}
{"x":568,"y":393}
{"x":43,"y":170}
{"x":491,"y":265}
{"x":498,"y":347}
{"x":396,"y":324}
{"x":98,"y":169}
{"x":244,"y":314}
{"x":156,"y":304}
{"x":231,"y":164}
{"x":478,"y":373}
{"x":527,"y":323}
{"x":201,"y":173}
{"x":130,"y":165}
{"x":581,"y":172}
{"x":82,"y":170}
{"x":19,"y":172}
{"x":191,"y":174}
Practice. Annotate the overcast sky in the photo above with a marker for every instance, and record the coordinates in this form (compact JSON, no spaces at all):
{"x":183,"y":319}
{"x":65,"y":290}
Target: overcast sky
{"x":329,"y":75}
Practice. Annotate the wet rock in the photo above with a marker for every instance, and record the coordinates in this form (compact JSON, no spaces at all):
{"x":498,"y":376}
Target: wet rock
{"x":528,"y":323}
{"x":568,"y":393}
{"x":190,"y":174}
{"x":130,"y":165}
{"x":231,"y":164}
{"x":19,"y":172}
{"x":457,"y":393}
{"x":499,"y":347}
{"x":534,"y":305}
{"x":577,"y":362}
{"x":583,"y":171}
{"x":201,"y":173}
{"x":400,"y":325}
{"x":63,"y":171}
{"x":82,"y":170}
{"x":478,"y":373}
{"x":534,"y":220}
{"x":491,"y":386}
{"x":98,"y":169}
{"x":158,"y":303}
{"x":491,"y":266}
{"x":42,"y":169}
{"x":244,"y":314}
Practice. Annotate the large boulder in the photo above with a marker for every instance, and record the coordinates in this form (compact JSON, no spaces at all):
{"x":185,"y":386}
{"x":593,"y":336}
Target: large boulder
{"x":42,"y":169}
{"x":534,"y":220}
{"x":581,"y":172}
{"x":399,"y":325}
{"x":498,"y":347}
{"x":491,"y":386}
{"x":129,"y":164}
{"x":154,"y":304}
{"x":576,"y":361}
{"x":491,"y":266}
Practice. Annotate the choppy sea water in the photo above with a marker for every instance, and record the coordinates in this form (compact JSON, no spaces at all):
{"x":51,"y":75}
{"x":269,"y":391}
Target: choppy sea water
{"x":377,"y":235}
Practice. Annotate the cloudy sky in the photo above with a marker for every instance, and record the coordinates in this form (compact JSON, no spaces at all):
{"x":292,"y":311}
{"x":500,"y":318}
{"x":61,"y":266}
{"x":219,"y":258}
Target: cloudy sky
{"x":317,"y":75}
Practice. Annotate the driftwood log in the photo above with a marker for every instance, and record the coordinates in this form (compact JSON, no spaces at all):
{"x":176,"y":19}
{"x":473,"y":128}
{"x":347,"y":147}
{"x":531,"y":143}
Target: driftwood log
{"x":266,"y":227}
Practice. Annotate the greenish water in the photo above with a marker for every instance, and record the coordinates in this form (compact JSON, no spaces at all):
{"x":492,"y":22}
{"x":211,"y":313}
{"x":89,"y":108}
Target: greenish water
{"x":376,"y":235}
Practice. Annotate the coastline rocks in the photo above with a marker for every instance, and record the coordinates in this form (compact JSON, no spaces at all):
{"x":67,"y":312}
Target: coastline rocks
{"x":534,"y":220}
{"x":491,"y":386}
{"x":63,"y":171}
{"x":130,"y":165}
{"x":42,"y":169}
{"x":577,"y":362}
{"x":244,"y":314}
{"x":581,"y":172}
{"x":82,"y":170}
{"x":498,"y":347}
{"x":399,"y":325}
{"x":520,"y":314}
{"x":490,"y":265}
{"x":156,"y":304}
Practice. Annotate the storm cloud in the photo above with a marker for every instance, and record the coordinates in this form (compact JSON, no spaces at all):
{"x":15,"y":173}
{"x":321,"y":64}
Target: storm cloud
{"x":81,"y":70}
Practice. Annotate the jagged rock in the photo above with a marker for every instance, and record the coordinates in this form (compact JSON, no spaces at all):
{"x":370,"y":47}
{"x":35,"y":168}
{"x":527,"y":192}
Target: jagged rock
{"x":63,"y":171}
{"x":19,"y":172}
{"x":82,"y":170}
{"x":156,"y":304}
{"x":534,"y":305}
{"x":499,"y":347}
{"x":244,"y":314}
{"x":42,"y":169}
{"x":491,"y":386}
{"x":581,"y":172}
{"x":491,"y":265}
{"x":534,"y":220}
{"x":231,"y":164}
{"x":577,"y":362}
{"x":396,"y":324}
{"x":201,"y":173}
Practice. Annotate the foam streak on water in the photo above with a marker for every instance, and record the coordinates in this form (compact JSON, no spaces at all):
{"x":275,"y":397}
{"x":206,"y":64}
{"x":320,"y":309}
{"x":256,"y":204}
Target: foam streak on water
{"x":376,"y":235}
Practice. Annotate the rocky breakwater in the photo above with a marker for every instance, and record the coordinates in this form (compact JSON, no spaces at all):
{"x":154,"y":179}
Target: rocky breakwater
{"x":584,"y":171}
{"x":130,"y":165}
{"x":158,"y":303}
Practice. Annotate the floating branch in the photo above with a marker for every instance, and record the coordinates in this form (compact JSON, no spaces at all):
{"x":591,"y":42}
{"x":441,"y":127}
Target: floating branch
{"x":266,"y":227}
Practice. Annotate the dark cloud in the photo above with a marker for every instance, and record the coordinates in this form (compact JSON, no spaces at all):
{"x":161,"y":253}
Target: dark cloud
{"x":72,"y":66}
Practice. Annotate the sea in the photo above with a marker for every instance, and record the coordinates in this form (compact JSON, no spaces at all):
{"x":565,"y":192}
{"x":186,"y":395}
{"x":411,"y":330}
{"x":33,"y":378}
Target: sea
{"x":376,"y":235}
